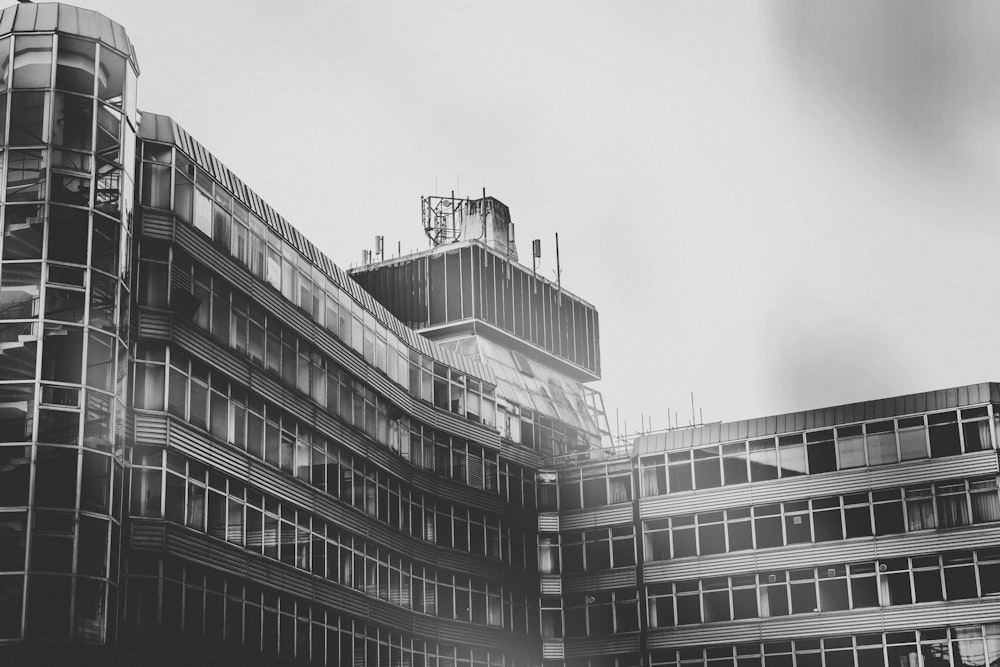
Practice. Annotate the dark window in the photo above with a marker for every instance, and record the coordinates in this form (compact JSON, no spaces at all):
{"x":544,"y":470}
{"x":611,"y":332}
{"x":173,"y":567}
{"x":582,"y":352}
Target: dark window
{"x":927,"y":583}
{"x":739,"y":529}
{"x":744,"y":597}
{"x":833,"y":588}
{"x":888,"y":510}
{"x":944,"y":437}
{"x":55,"y":477}
{"x":959,"y":576}
{"x":797,"y":529}
{"x":857,"y":515}
{"x":767,"y":526}
{"x":803,"y":588}
{"x":827,"y":520}
{"x":711,"y":533}
{"x":683,"y":533}
{"x":716,"y":599}
{"x":821,"y":453}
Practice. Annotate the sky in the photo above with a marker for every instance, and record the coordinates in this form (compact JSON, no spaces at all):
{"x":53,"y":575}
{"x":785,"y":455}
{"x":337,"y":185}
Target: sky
{"x":774,"y":205}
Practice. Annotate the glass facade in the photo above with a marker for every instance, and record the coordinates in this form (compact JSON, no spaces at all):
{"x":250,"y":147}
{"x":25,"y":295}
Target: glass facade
{"x":68,"y":117}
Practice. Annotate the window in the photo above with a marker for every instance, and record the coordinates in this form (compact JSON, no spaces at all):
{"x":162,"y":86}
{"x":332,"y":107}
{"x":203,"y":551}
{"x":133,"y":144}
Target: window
{"x":821,"y":452}
{"x":767,"y":526}
{"x":657,"y":536}
{"x":912,"y":439}
{"x":952,"y":505}
{"x":707,"y":473}
{"x":880,"y":440}
{"x":793,"y":455}
{"x":679,"y":469}
{"x":850,"y":447}
{"x":944,"y":434}
{"x":827,"y":519}
{"x":734,"y":463}
{"x":919,"y":508}
{"x":763,"y":460}
{"x":652,"y":476}
{"x":857,"y":515}
{"x":976,"y":434}
{"x":797,"y":528}
{"x":888,"y":511}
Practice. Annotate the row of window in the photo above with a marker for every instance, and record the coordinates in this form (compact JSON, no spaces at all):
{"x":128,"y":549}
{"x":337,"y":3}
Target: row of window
{"x":73,"y":69}
{"x":587,"y":550}
{"x":183,"y":598}
{"x":62,"y":235}
{"x":463,"y":528}
{"x":593,"y":614}
{"x":187,"y":494}
{"x":54,"y":415}
{"x":871,"y":444}
{"x":58,"y":607}
{"x":209,"y":401}
{"x":64,"y":478}
{"x":592,"y":486}
{"x":955,"y":575}
{"x":213,"y":210}
{"x":947,"y":504}
{"x":304,"y":368}
{"x":964,"y":646}
{"x":52,"y":544}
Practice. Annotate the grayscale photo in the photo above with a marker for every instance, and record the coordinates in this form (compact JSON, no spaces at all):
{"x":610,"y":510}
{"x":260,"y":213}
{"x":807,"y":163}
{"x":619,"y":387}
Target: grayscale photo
{"x":650,"y":333}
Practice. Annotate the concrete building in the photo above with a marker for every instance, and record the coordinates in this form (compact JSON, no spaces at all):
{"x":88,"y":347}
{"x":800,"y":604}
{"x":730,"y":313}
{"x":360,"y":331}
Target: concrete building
{"x":217,"y":446}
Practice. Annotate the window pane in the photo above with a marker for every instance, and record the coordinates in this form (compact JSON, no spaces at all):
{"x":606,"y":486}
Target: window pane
{"x":32,"y":61}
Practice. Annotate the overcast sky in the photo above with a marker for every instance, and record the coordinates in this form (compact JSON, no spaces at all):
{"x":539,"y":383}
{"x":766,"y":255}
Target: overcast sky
{"x":774,"y":205}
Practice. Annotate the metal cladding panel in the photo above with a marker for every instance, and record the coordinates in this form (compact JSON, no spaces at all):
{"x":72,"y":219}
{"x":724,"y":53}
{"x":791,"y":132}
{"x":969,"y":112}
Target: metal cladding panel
{"x":191,"y":546}
{"x":150,"y":429}
{"x":203,"y":348}
{"x":193,"y":444}
{"x":343,"y":516}
{"x":982,"y":536}
{"x":548,"y":522}
{"x":807,"y":486}
{"x":824,"y":553}
{"x":813,"y":625}
{"x":263,"y":385}
{"x":274,"y":482}
{"x":521,"y":455}
{"x":551,"y":585}
{"x":192,"y":241}
{"x":153,"y":325}
{"x":610,"y":645}
{"x":341,"y":598}
{"x":825,"y":484}
{"x":597,"y":517}
{"x":390,"y":615}
{"x":148,"y":535}
{"x":474,"y":635}
{"x":619,"y":578}
{"x":953,"y":467}
{"x":686,"y":503}
{"x":695,"y":568}
{"x":931,"y":614}
{"x":156,"y":225}
{"x":552,"y":649}
{"x":697,"y":636}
